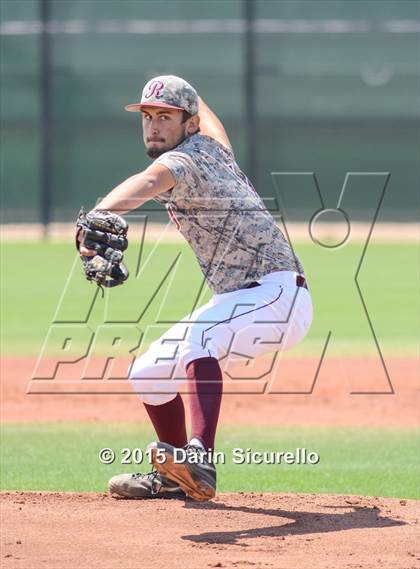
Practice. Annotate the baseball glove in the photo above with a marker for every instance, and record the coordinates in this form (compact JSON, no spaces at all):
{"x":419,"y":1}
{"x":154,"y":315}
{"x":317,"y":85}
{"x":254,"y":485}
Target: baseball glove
{"x":106,"y":233}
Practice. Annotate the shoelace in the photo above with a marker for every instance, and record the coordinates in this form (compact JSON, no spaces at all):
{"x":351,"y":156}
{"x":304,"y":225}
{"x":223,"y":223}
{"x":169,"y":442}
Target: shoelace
{"x":154,"y":478}
{"x":150,"y":475}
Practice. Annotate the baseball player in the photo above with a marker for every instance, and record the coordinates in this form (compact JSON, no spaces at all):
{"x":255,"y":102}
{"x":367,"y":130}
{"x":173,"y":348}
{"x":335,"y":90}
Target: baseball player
{"x":260,"y":303}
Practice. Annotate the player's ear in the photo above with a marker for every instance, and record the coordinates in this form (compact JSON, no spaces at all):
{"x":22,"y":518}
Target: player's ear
{"x":193,"y":124}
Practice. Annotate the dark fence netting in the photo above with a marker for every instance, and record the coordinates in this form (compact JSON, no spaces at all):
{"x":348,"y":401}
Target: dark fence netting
{"x":326,"y":87}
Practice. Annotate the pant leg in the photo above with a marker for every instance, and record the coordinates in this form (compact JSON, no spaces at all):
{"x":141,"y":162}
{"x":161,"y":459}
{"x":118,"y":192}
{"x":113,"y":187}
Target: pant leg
{"x":246,"y":323}
{"x":251,"y":322}
{"x":159,"y":374}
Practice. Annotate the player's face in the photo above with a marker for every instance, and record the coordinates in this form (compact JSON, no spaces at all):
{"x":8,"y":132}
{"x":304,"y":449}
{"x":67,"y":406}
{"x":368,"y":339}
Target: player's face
{"x":163,"y":129}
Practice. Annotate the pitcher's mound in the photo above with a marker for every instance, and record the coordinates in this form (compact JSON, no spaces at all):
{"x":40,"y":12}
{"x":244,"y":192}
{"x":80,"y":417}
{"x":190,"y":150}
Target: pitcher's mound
{"x":282,"y":531}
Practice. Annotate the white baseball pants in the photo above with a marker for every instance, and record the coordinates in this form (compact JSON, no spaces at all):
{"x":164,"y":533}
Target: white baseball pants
{"x":232,"y":326}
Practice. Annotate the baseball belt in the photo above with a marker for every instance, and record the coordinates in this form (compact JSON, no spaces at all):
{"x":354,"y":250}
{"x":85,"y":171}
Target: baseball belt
{"x":300,"y":281}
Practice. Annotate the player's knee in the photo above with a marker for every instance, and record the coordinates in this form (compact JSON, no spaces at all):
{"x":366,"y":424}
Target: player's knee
{"x":153,"y":382}
{"x":156,"y":398}
{"x":152,"y":391}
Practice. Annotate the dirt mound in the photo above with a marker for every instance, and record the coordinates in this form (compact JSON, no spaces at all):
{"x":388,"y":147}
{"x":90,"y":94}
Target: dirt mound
{"x":234,"y":530}
{"x":331,"y":402}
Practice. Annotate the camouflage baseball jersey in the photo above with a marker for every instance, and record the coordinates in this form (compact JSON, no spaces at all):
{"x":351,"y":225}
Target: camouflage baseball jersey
{"x":215,"y":207}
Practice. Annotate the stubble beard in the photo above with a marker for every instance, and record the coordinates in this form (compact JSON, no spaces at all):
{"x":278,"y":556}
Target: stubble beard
{"x":156,"y":152}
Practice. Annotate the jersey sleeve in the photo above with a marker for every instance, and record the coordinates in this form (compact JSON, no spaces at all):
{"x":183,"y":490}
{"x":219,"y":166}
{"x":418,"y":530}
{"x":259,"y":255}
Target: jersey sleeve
{"x":179,"y":163}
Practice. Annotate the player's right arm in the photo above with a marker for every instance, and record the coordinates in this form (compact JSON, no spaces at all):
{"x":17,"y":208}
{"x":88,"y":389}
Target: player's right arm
{"x":210,"y":124}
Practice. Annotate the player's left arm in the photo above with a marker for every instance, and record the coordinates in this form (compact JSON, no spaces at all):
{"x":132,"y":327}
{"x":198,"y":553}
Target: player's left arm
{"x":132,"y":193}
{"x":138,"y":189}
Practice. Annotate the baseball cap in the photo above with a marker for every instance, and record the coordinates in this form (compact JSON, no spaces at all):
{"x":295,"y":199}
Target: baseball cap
{"x":167,"y":91}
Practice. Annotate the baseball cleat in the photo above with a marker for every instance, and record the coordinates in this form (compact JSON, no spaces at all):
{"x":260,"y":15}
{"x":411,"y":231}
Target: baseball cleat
{"x":189,"y":467}
{"x":150,"y":485}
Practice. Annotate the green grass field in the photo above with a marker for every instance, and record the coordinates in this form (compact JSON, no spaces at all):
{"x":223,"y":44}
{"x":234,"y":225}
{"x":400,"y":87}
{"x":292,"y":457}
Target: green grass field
{"x":43,"y":283}
{"x":64,"y":457}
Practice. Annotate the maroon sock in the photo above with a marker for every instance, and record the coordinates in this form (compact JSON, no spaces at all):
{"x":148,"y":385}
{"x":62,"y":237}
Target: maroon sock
{"x":169,"y":421}
{"x":205,"y":386}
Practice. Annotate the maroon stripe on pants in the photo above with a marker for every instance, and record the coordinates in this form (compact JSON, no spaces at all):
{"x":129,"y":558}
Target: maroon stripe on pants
{"x":205,"y":387}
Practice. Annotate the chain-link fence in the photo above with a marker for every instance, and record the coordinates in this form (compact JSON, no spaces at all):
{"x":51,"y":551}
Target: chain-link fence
{"x":329,"y":87}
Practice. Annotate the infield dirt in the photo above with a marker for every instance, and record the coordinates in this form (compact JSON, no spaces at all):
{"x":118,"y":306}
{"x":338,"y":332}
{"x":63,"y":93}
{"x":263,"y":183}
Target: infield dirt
{"x":243,"y":530}
{"x":331,"y":402}
{"x":235,"y":530}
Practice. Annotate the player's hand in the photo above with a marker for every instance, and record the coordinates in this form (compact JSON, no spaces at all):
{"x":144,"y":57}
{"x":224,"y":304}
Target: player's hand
{"x":82,"y":249}
{"x":101,"y":239}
